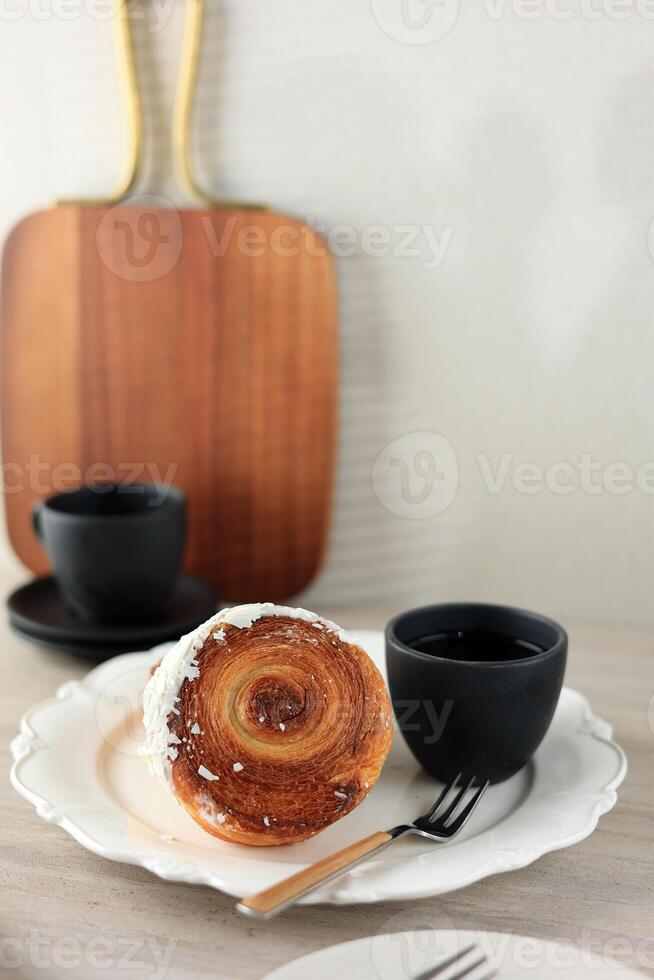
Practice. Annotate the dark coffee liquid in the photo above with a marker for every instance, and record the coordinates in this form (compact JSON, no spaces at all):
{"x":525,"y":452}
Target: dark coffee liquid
{"x":477,"y":645}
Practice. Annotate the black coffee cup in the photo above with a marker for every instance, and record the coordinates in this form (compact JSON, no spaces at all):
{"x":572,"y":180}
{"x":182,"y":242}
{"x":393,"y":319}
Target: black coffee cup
{"x":474,"y":687}
{"x":116,"y":549}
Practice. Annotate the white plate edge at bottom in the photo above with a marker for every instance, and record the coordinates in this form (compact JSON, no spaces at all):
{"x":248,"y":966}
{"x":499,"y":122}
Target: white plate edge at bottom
{"x":462,"y":938}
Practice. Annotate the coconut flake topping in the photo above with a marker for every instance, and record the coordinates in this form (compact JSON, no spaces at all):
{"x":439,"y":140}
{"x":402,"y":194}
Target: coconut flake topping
{"x":206,"y":774}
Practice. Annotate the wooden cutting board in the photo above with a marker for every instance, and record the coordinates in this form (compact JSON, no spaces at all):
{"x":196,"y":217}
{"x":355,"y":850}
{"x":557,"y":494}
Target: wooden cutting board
{"x":197,"y":347}
{"x":194,"y":347}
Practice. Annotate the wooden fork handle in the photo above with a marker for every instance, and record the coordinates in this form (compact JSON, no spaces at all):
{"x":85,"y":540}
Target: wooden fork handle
{"x":273,"y":900}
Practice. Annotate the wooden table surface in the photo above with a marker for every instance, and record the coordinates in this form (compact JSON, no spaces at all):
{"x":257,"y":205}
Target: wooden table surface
{"x":66,"y":913}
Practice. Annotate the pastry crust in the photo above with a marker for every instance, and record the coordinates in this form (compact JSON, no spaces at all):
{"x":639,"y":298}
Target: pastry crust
{"x":279,"y":726}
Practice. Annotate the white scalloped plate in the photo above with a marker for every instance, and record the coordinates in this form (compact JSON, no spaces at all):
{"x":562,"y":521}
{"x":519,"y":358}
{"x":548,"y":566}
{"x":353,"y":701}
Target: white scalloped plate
{"x":406,"y":955}
{"x":76,"y":760}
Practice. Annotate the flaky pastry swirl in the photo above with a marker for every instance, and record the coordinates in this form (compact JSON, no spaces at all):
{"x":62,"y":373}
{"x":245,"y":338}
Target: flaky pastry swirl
{"x":267,"y":724}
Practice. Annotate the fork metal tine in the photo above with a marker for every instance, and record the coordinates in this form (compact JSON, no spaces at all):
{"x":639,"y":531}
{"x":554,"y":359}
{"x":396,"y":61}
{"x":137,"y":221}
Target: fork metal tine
{"x":459,"y":821}
{"x":442,"y":797}
{"x":435,"y":971}
{"x":443,"y":818}
{"x":468,"y":969}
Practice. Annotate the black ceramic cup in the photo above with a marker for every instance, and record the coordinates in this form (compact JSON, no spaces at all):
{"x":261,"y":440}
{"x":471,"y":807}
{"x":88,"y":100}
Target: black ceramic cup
{"x":481,"y":717}
{"x":116,"y":549}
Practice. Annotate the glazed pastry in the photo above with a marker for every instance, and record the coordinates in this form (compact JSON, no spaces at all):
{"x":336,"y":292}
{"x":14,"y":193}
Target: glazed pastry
{"x":267,"y":724}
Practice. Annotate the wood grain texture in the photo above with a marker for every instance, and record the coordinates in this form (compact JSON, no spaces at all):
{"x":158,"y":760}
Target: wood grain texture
{"x":195,"y":346}
{"x":265,"y":902}
{"x":597,"y":893}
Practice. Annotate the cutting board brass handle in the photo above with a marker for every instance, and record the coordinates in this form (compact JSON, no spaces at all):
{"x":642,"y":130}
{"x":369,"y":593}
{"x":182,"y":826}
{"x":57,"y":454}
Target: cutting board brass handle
{"x":125,"y":53}
{"x":183,"y":114}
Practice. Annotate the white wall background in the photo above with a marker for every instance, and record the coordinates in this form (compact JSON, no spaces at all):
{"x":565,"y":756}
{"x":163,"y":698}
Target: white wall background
{"x":526,"y":134}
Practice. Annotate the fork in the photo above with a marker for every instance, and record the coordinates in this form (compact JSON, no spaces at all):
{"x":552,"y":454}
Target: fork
{"x":441,"y":823}
{"x":466,"y":970}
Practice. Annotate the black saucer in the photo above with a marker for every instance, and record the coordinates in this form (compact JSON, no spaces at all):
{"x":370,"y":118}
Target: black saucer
{"x":38,"y":613}
{"x":86,"y":651}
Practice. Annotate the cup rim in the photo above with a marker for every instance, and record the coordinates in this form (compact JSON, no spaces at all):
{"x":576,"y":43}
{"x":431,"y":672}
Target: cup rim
{"x":535,"y":658}
{"x":168,"y":492}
